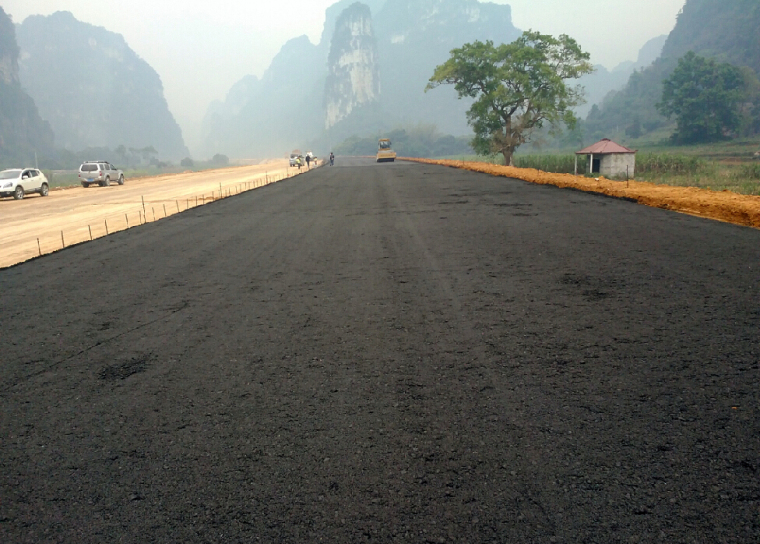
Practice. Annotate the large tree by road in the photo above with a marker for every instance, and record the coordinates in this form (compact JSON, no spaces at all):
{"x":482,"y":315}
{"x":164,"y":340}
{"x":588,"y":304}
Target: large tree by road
{"x":518,"y":88}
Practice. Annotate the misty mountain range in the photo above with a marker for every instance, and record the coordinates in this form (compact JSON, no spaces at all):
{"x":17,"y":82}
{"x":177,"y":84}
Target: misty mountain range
{"x":22,"y":131}
{"x":92,"y":88}
{"x":726,"y":31}
{"x":367,"y":74}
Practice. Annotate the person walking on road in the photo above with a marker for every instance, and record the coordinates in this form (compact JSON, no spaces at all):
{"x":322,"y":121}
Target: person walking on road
{"x":308,"y":161}
{"x":332,"y":158}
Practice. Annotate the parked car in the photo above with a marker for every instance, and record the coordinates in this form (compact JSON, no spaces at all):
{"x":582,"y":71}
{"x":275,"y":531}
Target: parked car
{"x":18,"y":182}
{"x":100,"y":172}
{"x":294,"y":159}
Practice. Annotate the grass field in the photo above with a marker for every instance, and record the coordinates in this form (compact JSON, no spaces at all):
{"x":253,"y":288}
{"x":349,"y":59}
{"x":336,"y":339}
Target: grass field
{"x":724,"y":166}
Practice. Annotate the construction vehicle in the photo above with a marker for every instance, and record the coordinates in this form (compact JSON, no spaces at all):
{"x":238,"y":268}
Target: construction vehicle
{"x":384,"y":151}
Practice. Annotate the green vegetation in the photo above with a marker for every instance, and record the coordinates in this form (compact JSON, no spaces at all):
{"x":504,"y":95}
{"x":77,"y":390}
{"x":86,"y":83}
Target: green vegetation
{"x":123,"y":104}
{"x":22,"y":132}
{"x":705,"y":174}
{"x":704,"y":96}
{"x":560,"y":164}
{"x":419,"y":141}
{"x":63,"y":169}
{"x":518,"y":88}
{"x":707,"y":167}
{"x":727,"y":32}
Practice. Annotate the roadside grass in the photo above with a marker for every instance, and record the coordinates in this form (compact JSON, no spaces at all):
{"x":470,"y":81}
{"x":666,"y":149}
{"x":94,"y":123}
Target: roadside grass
{"x":70,"y":178}
{"x":725,"y":166}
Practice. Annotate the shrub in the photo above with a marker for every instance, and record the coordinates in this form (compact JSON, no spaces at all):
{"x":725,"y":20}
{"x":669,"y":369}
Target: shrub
{"x":220,"y":160}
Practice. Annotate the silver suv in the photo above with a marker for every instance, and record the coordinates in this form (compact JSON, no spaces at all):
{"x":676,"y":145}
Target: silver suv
{"x":100,"y":172}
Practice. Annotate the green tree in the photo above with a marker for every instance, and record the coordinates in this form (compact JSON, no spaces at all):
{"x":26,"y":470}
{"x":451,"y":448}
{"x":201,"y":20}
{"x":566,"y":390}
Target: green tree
{"x":749,"y":110}
{"x":518,"y":88}
{"x":634,"y":131}
{"x":220,"y":160}
{"x":705,"y":97}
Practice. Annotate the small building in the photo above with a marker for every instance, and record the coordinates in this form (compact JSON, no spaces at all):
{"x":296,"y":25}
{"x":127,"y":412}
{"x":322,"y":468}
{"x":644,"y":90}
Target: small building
{"x":611,"y":160}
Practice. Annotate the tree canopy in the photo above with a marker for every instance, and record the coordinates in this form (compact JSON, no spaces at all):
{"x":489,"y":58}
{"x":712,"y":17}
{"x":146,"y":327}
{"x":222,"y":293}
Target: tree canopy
{"x":518,"y":88}
{"x":705,"y":97}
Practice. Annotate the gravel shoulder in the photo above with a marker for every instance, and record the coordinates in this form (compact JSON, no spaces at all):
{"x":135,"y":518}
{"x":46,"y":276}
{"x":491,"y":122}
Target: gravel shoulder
{"x":80,"y":213}
{"x":387,"y":353}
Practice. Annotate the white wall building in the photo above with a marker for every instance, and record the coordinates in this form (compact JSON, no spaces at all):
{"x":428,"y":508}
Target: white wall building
{"x":608,"y":159}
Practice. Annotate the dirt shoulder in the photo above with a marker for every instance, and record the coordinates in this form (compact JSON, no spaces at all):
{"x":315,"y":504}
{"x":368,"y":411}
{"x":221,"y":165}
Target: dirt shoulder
{"x":39,"y":225}
{"x":723,"y":206}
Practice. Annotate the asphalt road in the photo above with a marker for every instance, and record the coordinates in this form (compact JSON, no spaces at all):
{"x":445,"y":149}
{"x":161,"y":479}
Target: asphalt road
{"x":387,"y":353}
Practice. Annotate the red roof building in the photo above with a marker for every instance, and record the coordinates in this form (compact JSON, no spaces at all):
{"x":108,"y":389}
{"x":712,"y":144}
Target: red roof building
{"x":609,"y":159}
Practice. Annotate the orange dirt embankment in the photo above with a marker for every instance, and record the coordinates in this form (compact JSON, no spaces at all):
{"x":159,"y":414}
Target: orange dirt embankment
{"x":722,"y":206}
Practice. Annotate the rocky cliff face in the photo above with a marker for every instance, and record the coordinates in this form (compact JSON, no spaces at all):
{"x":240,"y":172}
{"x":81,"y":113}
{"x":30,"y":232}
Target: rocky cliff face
{"x":353,"y":78}
{"x":321,"y":94}
{"x":270,"y":116}
{"x":94,"y":90}
{"x":414,"y":36}
{"x":22,"y":132}
{"x":726,"y":31}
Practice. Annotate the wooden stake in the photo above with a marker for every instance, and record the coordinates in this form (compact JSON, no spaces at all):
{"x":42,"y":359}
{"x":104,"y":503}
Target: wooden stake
{"x":127,"y":218}
{"x":63,"y":243}
{"x":90,"y":229}
{"x":39,"y":247}
{"x":106,"y":227}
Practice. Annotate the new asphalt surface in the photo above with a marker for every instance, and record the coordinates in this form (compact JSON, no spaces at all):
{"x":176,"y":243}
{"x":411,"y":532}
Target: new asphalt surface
{"x":387,"y":353}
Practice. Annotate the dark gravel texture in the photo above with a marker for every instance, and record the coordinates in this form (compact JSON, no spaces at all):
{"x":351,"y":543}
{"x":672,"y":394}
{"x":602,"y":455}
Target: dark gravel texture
{"x":393,"y":353}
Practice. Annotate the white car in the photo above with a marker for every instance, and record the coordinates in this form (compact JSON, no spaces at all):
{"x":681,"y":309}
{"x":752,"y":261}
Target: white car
{"x":17,"y":182}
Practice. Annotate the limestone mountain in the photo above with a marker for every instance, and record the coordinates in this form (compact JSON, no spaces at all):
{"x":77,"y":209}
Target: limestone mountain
{"x":22,"y":132}
{"x":368,"y":73}
{"x":726,"y":31}
{"x":414,"y":36}
{"x":269,"y":116}
{"x":353,"y":78}
{"x":93,"y":89}
{"x":599,"y":84}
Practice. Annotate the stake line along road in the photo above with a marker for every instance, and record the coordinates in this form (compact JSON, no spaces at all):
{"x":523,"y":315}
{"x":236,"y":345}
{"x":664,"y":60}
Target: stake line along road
{"x":387,"y":353}
{"x":41,"y":225}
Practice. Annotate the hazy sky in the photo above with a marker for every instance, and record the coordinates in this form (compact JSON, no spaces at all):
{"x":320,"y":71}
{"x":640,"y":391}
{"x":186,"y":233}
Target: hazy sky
{"x":200,"y":48}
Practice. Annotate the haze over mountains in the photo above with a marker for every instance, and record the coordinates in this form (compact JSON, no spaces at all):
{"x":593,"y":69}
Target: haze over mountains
{"x":726,"y":31}
{"x":93,"y":89}
{"x":367,"y":74}
{"x":22,"y":131}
